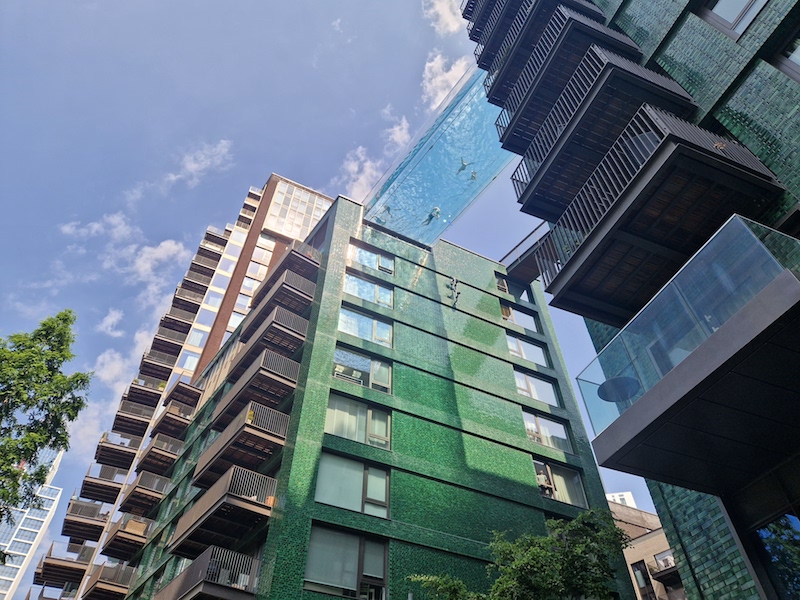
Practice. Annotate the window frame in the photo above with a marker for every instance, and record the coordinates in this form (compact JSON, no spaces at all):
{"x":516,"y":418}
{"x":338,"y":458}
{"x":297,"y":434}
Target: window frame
{"x":371,"y":410}
{"x":537,"y":417}
{"x":530,"y":389}
{"x":383,"y":262}
{"x":707,"y":13}
{"x":784,"y":63}
{"x":375,"y":364}
{"x":365,"y":499}
{"x":520,"y":350}
{"x":508,"y":310}
{"x":376,"y":323}
{"x":537,"y":463}
{"x":376,"y":290}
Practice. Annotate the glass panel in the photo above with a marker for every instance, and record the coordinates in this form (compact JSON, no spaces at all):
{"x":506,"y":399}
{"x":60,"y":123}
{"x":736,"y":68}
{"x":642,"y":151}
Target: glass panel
{"x":383,"y":333}
{"x":249,"y":284}
{"x":188,"y":360}
{"x":205,"y":317}
{"x":778,"y":545}
{"x":527,"y":350}
{"x":379,"y":428}
{"x":346,"y":418}
{"x":256,"y":270}
{"x":213,"y":298}
{"x":226,"y":265}
{"x":532,"y":428}
{"x":385,"y":296}
{"x":25,"y":535}
{"x":352,"y":366}
{"x":332,"y":558}
{"x":235,"y":319}
{"x":374,"y":558}
{"x":20,"y":547}
{"x":568,"y":486}
{"x":376,"y":484}
{"x":554,"y":435}
{"x":221,"y":281}
{"x":238,"y":236}
{"x":543,"y":480}
{"x":340,"y":482}
{"x":242,"y":302}
{"x":523,"y":319}
{"x":792,"y":50}
{"x":197,"y":337}
{"x":34,"y":524}
{"x":376,"y":510}
{"x":386,"y":263}
{"x":233,"y":250}
{"x":749,"y":15}
{"x":381,"y":375}
{"x":728,"y":9}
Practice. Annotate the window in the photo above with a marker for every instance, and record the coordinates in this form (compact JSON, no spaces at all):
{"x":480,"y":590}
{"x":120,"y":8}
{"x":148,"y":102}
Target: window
{"x":664,"y":560}
{"x":363,"y":370}
{"x":788,"y":59}
{"x":374,"y":260}
{"x":527,"y":350}
{"x":356,"y":421}
{"x":523,"y":319}
{"x":233,"y":250}
{"x":235,"y":319}
{"x":262,"y":255}
{"x":502,"y":284}
{"x":643,"y":582}
{"x":732,"y":16}
{"x":560,"y":483}
{"x":242,"y":302}
{"x":265,"y":240}
{"x":213,"y":298}
{"x":368,"y":290}
{"x":256,"y":270}
{"x":188,"y":360}
{"x":352,"y":485}
{"x":25,"y":535}
{"x":546,"y":432}
{"x":365,"y":327}
{"x":10,"y":572}
{"x":238,"y":236}
{"x":34,"y":524}
{"x":19,"y":547}
{"x":536,"y":388}
{"x":226,"y":265}
{"x":221,"y":281}
{"x":197,"y":337}
{"x":249,"y":284}
{"x":343,"y":564}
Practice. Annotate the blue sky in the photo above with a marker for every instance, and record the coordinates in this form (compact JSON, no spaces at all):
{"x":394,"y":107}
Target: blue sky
{"x":130,"y":126}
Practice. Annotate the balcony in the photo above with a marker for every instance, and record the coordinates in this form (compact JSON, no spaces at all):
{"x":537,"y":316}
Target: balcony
{"x":564,"y":41}
{"x":174,"y":420}
{"x":212,"y":246}
{"x":217,"y":235}
{"x":157,"y":364}
{"x":141,"y":495}
{"x":267,"y":380}
{"x":196,"y":276}
{"x":298,"y":257}
{"x":179,"y":317}
{"x":661,"y":191}
{"x":290,"y":291}
{"x":520,"y":40}
{"x":481,"y":10}
{"x":103,"y":483}
{"x":117,"y":449}
{"x":160,"y":454}
{"x":132,"y":418}
{"x":494,"y":32}
{"x":85,"y":520}
{"x":146,"y":390}
{"x":206,"y":261}
{"x":700,"y":389}
{"x":184,"y":393}
{"x":63,"y":564}
{"x":108,"y":582}
{"x":169,"y":340}
{"x":215,"y":574}
{"x":187,"y":299}
{"x":126,"y":537}
{"x":247,"y":441}
{"x":231,"y":510}
{"x":595,"y":107}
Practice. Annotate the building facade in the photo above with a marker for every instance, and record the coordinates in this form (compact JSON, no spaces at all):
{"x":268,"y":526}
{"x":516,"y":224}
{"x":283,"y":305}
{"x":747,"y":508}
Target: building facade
{"x":381,"y":410}
{"x":20,"y":538}
{"x":643,"y":126}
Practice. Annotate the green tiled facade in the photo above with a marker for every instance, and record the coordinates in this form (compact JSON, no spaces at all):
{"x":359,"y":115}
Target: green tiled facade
{"x":460,"y":464}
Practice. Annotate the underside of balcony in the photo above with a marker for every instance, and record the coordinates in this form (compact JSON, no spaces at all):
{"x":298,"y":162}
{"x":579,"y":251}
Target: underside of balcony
{"x":126,"y":537}
{"x":143,"y":494}
{"x":290,"y":291}
{"x":160,"y":454}
{"x":298,"y":257}
{"x":498,"y":24}
{"x":132,"y":418}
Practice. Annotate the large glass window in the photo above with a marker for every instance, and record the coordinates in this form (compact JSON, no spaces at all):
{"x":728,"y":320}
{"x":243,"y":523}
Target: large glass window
{"x":363,"y":370}
{"x":546,"y":432}
{"x":523,"y":319}
{"x":235,"y":319}
{"x":188,"y":360}
{"x":357,"y":421}
{"x":221,"y":281}
{"x":368,"y":290}
{"x":343,"y":564}
{"x":197,"y":337}
{"x":249,"y":284}
{"x":538,"y":389}
{"x":213,"y":298}
{"x":560,"y":483}
{"x":777,"y":543}
{"x":352,"y":485}
{"x":527,"y":350}
{"x":368,"y":258}
{"x":256,"y":270}
{"x":365,"y":327}
{"x":226,"y":265}
{"x":733,"y":15}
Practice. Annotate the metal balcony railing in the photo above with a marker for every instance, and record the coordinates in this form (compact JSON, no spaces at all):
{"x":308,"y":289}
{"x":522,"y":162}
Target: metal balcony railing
{"x":205,"y":261}
{"x":488,"y":28}
{"x":79,"y":553}
{"x":186,"y":294}
{"x":121,"y":439}
{"x":87,"y":509}
{"x":179,"y":313}
{"x":212,"y":246}
{"x":161,"y":357}
{"x":166,"y":443}
{"x":179,"y":408}
{"x":280,"y":365}
{"x":119,"y":574}
{"x":132,"y":524}
{"x":217,"y":566}
{"x":135,"y":409}
{"x":197,"y":277}
{"x":106,"y":473}
{"x":149,"y":481}
{"x":508,"y":43}
{"x":154,"y":383}
{"x":171,"y":334}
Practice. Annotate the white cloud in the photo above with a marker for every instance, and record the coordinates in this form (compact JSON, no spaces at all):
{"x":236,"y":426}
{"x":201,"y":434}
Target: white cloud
{"x":397,"y":136}
{"x":109,"y":323}
{"x":337,"y":25}
{"x":115,"y":225}
{"x":444,"y":15}
{"x":439,"y":77}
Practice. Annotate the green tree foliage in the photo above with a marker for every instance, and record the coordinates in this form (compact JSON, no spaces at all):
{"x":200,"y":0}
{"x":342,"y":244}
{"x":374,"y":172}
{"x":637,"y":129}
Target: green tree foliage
{"x":575,"y":560}
{"x":781,"y":539}
{"x":37,"y":401}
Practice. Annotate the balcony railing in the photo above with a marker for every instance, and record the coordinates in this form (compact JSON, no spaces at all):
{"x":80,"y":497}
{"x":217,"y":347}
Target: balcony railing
{"x":166,"y":443}
{"x":103,"y":483}
{"x":171,"y":334}
{"x":154,"y":383}
{"x":197,"y":277}
{"x":122,"y":440}
{"x":205,"y":261}
{"x":212,"y":246}
{"x":118,"y":575}
{"x":135,"y":409}
{"x":500,"y":6}
{"x":183,"y":315}
{"x":161,"y":357}
{"x":132,"y":524}
{"x":88,"y":510}
{"x":106,"y":473}
{"x":508,"y":42}
{"x":186,"y":294}
{"x":214,"y":566}
{"x":312,"y":260}
{"x":150,"y":481}
{"x":78,"y":553}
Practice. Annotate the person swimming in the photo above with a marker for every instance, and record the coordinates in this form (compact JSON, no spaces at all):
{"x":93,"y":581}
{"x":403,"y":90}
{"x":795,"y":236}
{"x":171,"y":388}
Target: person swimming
{"x":464,"y":165}
{"x":473,"y":175}
{"x":434,"y":214}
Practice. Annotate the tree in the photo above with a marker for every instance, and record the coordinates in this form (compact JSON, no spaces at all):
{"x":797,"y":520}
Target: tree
{"x":37,"y":402}
{"x":576,"y":559}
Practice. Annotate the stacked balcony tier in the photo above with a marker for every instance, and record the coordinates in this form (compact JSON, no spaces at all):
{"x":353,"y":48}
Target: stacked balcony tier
{"x":160,"y":454}
{"x":108,"y":582}
{"x":291,"y":291}
{"x":600,"y":99}
{"x":84,"y":521}
{"x":298,"y":257}
{"x":132,"y":418}
{"x":493,"y":34}
{"x":117,"y":449}
{"x":661,"y":191}
{"x":143,"y":493}
{"x":173,"y":420}
{"x":563,"y":44}
{"x":103,"y":483}
{"x":234,"y":509}
{"x":521,"y":38}
{"x":184,"y":393}
{"x":251,"y":438}
{"x":215,"y":574}
{"x":126,"y":537}
{"x":63,"y":564}
{"x":145,"y":390}
{"x":479,"y":13}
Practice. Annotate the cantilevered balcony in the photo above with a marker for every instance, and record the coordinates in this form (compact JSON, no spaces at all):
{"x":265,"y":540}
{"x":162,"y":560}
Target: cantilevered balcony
{"x":169,"y":340}
{"x":84,"y":521}
{"x":145,"y":390}
{"x":600,"y":99}
{"x":103,"y":483}
{"x":290,"y":290}
{"x":232,"y":509}
{"x":198,"y":274}
{"x":563,"y":44}
{"x":252,"y":437}
{"x":700,"y":389}
{"x":126,"y":537}
{"x":480,"y":11}
{"x":267,"y":379}
{"x":63,"y":564}
{"x":206,"y":259}
{"x":174,"y":420}
{"x":132,"y":418}
{"x":494,"y":32}
{"x":143,"y":493}
{"x":184,"y":393}
{"x":298,"y":257}
{"x":117,"y":449}
{"x":661,"y":191}
{"x":157,"y":364}
{"x":160,"y":454}
{"x":522,"y":36}
{"x":217,"y":574}
{"x":177,"y":317}
{"x":187,"y":299}
{"x":108,"y":582}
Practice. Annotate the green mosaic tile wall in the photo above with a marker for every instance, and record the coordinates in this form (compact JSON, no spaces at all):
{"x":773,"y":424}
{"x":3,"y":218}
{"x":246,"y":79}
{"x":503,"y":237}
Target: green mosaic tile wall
{"x":648,"y":23}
